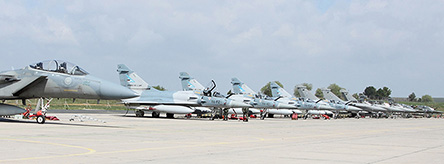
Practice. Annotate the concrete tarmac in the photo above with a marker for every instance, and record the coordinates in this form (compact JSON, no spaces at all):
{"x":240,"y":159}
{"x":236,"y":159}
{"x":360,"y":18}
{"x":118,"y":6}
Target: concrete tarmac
{"x":129,"y":139}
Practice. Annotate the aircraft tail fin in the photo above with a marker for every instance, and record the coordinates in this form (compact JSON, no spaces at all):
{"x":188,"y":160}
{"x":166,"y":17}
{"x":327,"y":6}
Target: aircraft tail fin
{"x":131,"y":80}
{"x":347,"y":95}
{"x":240,"y":88}
{"x":278,"y":91}
{"x":189,"y":83}
{"x":330,"y":95}
{"x":305,"y":93}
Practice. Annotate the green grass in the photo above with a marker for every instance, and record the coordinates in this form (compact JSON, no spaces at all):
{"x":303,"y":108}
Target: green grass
{"x":435,"y":105}
{"x":69,"y":104}
{"x":116,"y":105}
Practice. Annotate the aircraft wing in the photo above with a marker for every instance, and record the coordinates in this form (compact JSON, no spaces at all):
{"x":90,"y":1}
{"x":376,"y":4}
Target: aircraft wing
{"x":14,"y":87}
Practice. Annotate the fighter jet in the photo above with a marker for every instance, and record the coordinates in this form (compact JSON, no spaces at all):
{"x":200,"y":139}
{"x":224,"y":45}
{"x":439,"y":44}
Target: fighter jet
{"x":169,"y":102}
{"x":191,"y":84}
{"x":310,"y":107}
{"x":271,"y":107}
{"x":392,"y":108}
{"x":336,"y":102}
{"x":54,"y":79}
{"x":364,"y":105}
{"x":428,"y":111}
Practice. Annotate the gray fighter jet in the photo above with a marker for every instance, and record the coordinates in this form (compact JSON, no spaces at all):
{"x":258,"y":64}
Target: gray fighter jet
{"x":270,"y":107}
{"x":363,"y":105}
{"x":339,"y":103}
{"x":428,"y":111}
{"x":169,"y":102}
{"x":310,"y":107}
{"x":191,"y":84}
{"x":309,"y":96}
{"x":392,"y":108}
{"x":54,"y":79}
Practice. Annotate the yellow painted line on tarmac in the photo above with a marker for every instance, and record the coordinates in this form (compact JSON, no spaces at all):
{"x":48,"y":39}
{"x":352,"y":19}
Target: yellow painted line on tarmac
{"x":90,"y":151}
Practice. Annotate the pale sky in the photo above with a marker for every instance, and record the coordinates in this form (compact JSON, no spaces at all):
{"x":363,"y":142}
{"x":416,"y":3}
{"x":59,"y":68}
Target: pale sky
{"x":355,"y":44}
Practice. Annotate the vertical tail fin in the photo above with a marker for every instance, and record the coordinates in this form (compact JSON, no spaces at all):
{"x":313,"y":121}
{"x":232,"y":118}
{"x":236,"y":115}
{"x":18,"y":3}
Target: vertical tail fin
{"x":131,"y":80}
{"x":306,"y":93}
{"x":189,"y":83}
{"x":277,"y":91}
{"x":330,"y":95}
{"x":347,"y":96}
{"x":240,"y":88}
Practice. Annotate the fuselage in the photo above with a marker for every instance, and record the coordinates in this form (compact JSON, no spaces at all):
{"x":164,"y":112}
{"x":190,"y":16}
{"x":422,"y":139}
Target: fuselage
{"x":35,"y":83}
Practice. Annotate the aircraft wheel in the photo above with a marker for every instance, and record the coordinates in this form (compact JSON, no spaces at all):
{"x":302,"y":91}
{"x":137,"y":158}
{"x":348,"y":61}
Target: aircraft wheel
{"x":155,"y":115}
{"x":139,"y":113}
{"x":270,"y":115}
{"x":41,"y":119}
{"x":170,"y":115}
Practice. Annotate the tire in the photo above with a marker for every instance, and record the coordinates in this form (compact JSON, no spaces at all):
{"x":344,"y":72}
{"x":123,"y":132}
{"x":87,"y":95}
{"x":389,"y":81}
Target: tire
{"x":40,"y":119}
{"x":155,"y":115}
{"x":170,"y":115}
{"x":139,"y":113}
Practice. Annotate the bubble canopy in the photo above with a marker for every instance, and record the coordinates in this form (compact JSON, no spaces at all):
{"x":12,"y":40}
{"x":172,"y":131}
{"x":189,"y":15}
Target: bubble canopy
{"x":59,"y":66}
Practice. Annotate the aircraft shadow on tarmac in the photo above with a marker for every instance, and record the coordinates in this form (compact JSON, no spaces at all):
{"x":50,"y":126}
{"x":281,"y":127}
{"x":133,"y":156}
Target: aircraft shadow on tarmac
{"x":163,"y":118}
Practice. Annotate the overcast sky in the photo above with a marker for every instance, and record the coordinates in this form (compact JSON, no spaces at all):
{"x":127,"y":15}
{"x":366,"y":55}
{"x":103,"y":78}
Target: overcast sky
{"x":355,"y":44}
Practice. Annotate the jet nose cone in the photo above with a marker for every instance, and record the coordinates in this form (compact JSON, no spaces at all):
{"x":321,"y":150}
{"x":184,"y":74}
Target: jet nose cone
{"x":113,"y":91}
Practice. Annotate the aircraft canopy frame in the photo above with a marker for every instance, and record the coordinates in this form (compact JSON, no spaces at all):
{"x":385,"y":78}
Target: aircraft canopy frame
{"x":60,"y":67}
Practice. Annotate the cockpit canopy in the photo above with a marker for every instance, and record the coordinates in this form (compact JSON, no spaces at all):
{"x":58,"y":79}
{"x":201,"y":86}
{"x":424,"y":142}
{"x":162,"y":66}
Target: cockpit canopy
{"x":59,"y":66}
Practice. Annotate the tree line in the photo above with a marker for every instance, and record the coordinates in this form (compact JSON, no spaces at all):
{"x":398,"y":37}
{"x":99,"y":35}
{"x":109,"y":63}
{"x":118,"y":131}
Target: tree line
{"x":369,"y":92}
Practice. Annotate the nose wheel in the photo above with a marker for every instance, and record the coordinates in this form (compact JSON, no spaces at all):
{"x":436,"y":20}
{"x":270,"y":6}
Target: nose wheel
{"x":40,"y":119}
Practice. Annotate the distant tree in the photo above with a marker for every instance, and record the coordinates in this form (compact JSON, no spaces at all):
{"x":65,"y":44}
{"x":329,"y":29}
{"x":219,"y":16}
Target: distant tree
{"x":427,"y":98}
{"x":387,"y":92}
{"x":308,"y":85}
{"x":319,"y":93}
{"x":379,"y":94}
{"x":267,"y":90}
{"x":370,"y":92}
{"x":296,"y":92}
{"x":160,"y":88}
{"x":336,"y":89}
{"x":412,"y":96}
